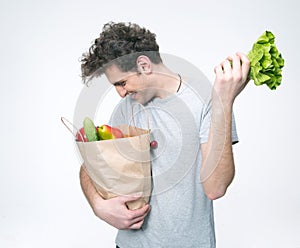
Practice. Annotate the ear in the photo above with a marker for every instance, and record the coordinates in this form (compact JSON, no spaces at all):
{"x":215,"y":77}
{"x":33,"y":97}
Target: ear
{"x":144,"y":64}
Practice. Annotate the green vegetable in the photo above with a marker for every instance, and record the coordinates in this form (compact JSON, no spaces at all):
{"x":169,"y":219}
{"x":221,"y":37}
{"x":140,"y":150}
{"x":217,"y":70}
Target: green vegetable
{"x":266,"y":62}
{"x":90,"y":129}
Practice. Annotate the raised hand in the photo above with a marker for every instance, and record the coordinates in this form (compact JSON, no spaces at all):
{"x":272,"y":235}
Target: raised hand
{"x":231,"y":78}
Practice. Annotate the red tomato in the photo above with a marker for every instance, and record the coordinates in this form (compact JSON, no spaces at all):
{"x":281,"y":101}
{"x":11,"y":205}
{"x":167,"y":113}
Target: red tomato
{"x":80,"y":136}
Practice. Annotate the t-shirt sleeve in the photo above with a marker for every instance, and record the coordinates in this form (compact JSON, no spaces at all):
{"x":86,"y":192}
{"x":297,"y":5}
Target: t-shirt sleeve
{"x":205,"y":125}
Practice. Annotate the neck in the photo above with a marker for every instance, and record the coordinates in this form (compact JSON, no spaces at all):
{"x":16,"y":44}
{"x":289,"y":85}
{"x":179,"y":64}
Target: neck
{"x":165,"y":82}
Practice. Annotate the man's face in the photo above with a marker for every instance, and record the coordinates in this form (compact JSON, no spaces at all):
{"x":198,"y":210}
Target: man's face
{"x":130,"y":83}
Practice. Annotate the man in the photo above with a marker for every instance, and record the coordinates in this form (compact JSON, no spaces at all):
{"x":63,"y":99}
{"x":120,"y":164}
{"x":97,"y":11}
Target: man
{"x":193,"y":164}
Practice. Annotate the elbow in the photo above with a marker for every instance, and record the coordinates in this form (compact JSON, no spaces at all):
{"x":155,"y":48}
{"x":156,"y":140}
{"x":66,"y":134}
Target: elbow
{"x":215,"y":192}
{"x":215,"y":189}
{"x":215,"y":195}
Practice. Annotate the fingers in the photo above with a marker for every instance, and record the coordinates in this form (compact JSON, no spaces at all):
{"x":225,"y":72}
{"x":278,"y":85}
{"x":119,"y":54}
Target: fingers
{"x":245,"y":64}
{"x":219,"y":70}
{"x":137,"y":225}
{"x":138,"y":213}
{"x":134,"y":218}
{"x":240,"y":63}
{"x":129,"y":198}
{"x":138,"y":221}
{"x":236,"y":66}
{"x":236,"y":63}
{"x":228,"y":67}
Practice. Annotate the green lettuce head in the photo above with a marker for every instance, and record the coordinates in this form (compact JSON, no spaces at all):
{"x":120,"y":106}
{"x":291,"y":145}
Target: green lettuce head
{"x":266,"y":62}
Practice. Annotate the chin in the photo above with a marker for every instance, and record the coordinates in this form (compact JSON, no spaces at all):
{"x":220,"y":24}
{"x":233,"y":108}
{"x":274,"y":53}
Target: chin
{"x":142,"y":98}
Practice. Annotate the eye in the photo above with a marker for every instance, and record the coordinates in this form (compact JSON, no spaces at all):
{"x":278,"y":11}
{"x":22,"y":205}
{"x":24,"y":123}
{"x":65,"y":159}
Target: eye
{"x":121,"y":83}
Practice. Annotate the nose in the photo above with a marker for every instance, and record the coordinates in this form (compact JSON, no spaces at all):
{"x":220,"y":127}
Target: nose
{"x":121,"y":91}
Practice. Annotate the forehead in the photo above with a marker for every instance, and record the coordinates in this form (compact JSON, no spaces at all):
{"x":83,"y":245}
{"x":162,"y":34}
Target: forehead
{"x":114,"y":74}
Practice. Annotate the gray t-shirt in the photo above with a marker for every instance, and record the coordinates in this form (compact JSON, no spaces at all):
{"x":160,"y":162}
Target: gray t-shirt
{"x":181,"y":215}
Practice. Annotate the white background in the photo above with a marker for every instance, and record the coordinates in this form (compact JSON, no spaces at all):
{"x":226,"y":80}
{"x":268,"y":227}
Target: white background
{"x":41,"y":203}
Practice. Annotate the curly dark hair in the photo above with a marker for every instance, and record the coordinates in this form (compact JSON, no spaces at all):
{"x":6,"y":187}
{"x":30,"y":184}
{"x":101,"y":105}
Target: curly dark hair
{"x":116,"y":41}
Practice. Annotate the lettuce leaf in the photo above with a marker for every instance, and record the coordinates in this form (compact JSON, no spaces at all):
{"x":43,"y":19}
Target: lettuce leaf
{"x":266,"y":62}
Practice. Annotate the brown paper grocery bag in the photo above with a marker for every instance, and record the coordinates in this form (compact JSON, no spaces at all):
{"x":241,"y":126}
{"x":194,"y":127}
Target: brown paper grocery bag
{"x":120,"y":166}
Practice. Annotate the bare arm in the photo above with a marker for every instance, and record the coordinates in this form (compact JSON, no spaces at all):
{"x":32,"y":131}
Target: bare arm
{"x":217,"y":170}
{"x":113,"y":211}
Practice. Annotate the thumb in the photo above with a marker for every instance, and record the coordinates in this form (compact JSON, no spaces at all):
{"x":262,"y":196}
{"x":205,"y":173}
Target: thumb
{"x":132,"y":197}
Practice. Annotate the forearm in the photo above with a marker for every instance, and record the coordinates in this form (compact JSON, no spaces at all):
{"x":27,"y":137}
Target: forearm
{"x":217,"y":170}
{"x":89,"y":189}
